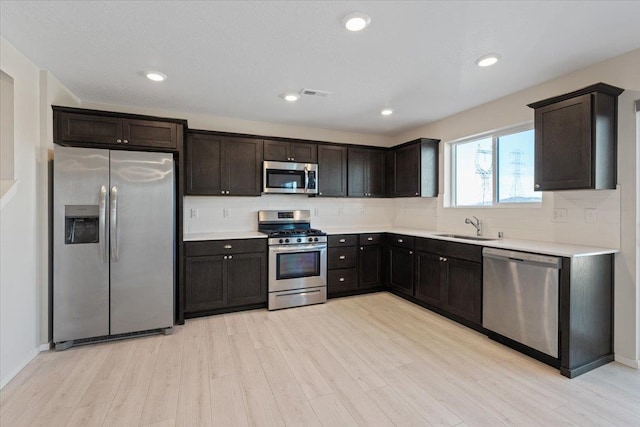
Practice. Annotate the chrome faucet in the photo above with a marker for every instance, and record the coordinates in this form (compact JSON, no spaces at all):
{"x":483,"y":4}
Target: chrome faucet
{"x":477,"y":225}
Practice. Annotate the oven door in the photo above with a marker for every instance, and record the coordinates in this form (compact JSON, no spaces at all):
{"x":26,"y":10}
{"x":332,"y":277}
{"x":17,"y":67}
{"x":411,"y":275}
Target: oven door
{"x":297,"y":266}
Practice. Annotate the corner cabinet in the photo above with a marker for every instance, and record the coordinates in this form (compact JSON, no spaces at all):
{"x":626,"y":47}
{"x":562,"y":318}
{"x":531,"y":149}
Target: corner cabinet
{"x":225,"y":275}
{"x":575,"y":139}
{"x":412,"y":169}
{"x":93,"y":128}
{"x":222,"y":165}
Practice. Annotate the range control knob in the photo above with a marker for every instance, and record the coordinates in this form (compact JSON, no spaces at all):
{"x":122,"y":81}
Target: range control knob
{"x":311,"y":239}
{"x":286,"y":240}
{"x":316,"y":239}
{"x":280,"y":241}
{"x":299,"y":240}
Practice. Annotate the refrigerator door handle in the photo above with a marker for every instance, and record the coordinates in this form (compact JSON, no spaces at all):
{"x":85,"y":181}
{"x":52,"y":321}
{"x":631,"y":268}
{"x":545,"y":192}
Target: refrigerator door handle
{"x":102,"y":232}
{"x":114,"y":224}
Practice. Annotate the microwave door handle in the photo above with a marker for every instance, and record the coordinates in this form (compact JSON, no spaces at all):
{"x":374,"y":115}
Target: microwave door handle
{"x":306,"y":179}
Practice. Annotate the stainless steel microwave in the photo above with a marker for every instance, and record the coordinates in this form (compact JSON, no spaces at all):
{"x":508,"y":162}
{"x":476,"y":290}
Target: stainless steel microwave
{"x":290,"y":178}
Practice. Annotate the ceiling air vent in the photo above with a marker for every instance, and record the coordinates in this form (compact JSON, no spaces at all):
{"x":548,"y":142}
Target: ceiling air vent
{"x":313,"y":92}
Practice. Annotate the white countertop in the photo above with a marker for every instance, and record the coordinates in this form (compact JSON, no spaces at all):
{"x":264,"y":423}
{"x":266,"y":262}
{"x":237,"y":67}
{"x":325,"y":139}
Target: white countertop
{"x":224,"y":235}
{"x":548,"y":248}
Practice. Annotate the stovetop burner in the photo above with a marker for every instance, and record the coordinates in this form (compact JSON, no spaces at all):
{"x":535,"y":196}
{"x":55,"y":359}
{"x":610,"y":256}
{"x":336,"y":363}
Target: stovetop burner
{"x":289,"y":228}
{"x":295,"y":232}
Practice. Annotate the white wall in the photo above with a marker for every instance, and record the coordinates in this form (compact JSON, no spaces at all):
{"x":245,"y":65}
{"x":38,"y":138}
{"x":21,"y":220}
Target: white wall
{"x":18,"y":224}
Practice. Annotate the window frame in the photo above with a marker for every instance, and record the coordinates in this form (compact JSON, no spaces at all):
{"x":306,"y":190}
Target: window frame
{"x":494,"y":135}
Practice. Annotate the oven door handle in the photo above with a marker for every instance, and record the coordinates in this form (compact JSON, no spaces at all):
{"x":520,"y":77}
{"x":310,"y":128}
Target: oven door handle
{"x":297,"y":248}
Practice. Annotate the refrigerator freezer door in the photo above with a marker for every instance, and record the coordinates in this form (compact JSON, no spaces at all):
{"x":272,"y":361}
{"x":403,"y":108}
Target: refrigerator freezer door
{"x":80,"y":269}
{"x":142,"y":218}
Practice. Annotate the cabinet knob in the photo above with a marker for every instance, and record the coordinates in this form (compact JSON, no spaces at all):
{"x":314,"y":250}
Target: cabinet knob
{"x":230,"y":256}
{"x":400,"y":240}
{"x":118,"y":141}
{"x":320,"y":194}
{"x":440,"y":258}
{"x":292,"y":159}
{"x":224,"y":257}
{"x":370,"y":239}
{"x":342,"y":257}
{"x":343,"y":240}
{"x":410,"y":252}
{"x":126,"y":141}
{"x":341,"y":279}
{"x":228,"y":246}
{"x":444,"y":259}
{"x":227,"y":191}
{"x":222,"y":191}
{"x":361,"y":248}
{"x":537,"y":185}
{"x":417,"y":194}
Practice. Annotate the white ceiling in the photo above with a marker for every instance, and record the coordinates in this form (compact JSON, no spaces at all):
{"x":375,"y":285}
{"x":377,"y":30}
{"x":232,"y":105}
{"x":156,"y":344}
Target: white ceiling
{"x":233,"y":59}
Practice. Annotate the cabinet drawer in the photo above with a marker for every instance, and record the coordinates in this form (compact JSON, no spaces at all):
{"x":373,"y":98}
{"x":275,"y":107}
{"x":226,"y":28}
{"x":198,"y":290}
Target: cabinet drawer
{"x":450,"y":249}
{"x":341,"y":257}
{"x":370,"y":239}
{"x":223,"y":247}
{"x":344,"y":279}
{"x":401,"y":241}
{"x":343,"y":240}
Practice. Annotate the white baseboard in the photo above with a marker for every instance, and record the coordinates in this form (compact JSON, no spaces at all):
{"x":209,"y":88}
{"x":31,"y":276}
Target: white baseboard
{"x":45,"y":347}
{"x":19,"y":368}
{"x":635,"y":364}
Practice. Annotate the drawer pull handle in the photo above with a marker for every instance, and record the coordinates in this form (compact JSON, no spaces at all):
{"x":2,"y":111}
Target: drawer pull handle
{"x":342,"y":257}
{"x":343,"y":240}
{"x":228,"y":246}
{"x":370,"y":239}
{"x":400,"y":240}
{"x":341,"y":279}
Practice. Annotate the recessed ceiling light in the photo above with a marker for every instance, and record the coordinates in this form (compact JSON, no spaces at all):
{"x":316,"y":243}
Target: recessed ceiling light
{"x":356,"y":21}
{"x":156,"y":76}
{"x":487,"y":60}
{"x":291,"y":97}
{"x":386,"y":111}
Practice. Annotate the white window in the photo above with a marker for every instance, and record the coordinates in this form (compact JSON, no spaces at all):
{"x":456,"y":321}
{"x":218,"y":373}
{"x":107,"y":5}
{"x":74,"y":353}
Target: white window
{"x":494,"y":169}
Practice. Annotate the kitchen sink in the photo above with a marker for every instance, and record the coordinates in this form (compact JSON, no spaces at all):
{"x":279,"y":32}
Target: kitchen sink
{"x":462,"y":236}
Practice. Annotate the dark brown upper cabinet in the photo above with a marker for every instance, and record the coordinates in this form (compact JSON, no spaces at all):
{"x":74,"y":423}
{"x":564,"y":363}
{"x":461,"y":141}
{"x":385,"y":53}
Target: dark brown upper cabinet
{"x":222,"y":165}
{"x":332,"y":171}
{"x":575,"y":139}
{"x":366,"y":173}
{"x":412,"y":169}
{"x":95,"y":128}
{"x":285,"y":151}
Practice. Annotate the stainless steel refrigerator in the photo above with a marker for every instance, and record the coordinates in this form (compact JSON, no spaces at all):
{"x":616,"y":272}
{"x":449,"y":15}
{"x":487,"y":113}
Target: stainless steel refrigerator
{"x":113,"y":243}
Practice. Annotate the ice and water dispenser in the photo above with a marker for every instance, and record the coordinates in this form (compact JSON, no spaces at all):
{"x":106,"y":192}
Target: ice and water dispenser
{"x":81,"y":224}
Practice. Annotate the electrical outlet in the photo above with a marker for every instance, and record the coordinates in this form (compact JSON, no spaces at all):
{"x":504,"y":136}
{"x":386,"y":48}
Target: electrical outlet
{"x":559,"y":215}
{"x":225,"y":213}
{"x":590,"y":215}
{"x":194,"y":213}
{"x":316,"y":212}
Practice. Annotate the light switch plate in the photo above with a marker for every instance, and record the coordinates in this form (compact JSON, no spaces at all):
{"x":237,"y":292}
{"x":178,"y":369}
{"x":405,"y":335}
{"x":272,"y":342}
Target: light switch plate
{"x":194,"y":213}
{"x":590,"y":215}
{"x":559,"y":215}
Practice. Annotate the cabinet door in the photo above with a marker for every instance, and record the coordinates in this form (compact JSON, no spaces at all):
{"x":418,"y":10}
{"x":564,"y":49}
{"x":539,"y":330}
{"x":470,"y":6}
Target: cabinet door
{"x":242,"y":172}
{"x":563,"y":145}
{"x":303,"y":153}
{"x":332,"y":171}
{"x":276,"y":150}
{"x":246,"y":276}
{"x":376,"y":174}
{"x":406,"y":171}
{"x":204,"y":283}
{"x":428,"y":274}
{"x":401,"y":269}
{"x":88,"y":128}
{"x":464,"y":289}
{"x":342,"y":280}
{"x":147,"y":133}
{"x":203,"y":165}
{"x":370,"y":266}
{"x":357,"y":172}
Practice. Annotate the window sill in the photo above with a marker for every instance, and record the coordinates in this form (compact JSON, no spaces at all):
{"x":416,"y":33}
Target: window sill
{"x":8,"y":189}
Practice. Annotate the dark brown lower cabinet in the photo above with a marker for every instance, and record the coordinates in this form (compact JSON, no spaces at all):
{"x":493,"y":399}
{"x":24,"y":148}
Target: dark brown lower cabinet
{"x":428,"y":283}
{"x":463,"y":289}
{"x":370,"y":266}
{"x":224,"y":282}
{"x":401,"y":270}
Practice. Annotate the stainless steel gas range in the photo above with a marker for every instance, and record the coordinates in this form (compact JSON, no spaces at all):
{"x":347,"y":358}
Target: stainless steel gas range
{"x":297,"y":259}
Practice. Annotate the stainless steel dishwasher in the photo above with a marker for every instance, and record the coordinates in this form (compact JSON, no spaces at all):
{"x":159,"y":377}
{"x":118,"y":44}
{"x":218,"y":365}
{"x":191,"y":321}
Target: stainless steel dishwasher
{"x":520,"y":297}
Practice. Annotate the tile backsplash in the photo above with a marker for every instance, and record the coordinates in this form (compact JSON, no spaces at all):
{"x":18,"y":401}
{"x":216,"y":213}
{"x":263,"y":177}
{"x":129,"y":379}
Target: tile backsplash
{"x":591,"y":217}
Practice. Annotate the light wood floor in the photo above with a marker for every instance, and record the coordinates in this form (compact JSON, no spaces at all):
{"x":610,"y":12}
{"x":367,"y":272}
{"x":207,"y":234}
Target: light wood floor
{"x":372,"y":360}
